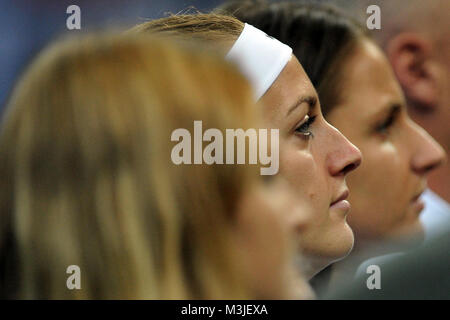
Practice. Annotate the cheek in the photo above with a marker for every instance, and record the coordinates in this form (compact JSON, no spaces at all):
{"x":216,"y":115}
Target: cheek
{"x":378,"y":189}
{"x":302,"y":170}
{"x":264,"y":247}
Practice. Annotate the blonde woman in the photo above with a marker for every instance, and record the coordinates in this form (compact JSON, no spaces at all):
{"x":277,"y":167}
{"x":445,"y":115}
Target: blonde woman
{"x":87,"y":180}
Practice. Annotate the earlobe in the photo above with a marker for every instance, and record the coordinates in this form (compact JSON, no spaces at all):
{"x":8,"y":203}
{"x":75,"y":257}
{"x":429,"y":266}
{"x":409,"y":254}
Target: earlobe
{"x":410,"y":57}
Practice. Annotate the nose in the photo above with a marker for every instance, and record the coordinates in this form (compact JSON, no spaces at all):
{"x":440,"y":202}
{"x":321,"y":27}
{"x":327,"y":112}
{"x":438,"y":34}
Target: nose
{"x":344,"y":157}
{"x":428,"y":154}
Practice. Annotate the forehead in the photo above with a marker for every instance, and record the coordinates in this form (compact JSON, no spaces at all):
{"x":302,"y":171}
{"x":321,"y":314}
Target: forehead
{"x":368,"y":80}
{"x":291,"y":85}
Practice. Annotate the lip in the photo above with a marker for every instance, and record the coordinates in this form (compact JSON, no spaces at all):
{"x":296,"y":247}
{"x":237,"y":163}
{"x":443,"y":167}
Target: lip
{"x":341,"y":202}
{"x":344,"y":195}
{"x":417,"y":196}
{"x":417,"y":203}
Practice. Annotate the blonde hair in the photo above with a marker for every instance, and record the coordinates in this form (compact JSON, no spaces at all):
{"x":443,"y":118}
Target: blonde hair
{"x":86,"y":176}
{"x":219,"y":29}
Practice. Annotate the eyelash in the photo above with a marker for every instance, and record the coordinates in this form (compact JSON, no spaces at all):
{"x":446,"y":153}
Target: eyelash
{"x":304,"y":128}
{"x":382,"y":128}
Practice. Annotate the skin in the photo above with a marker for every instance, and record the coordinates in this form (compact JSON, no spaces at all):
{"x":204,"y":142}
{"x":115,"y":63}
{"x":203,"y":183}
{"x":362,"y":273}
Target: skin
{"x":268,"y":218}
{"x":398,"y":154}
{"x":415,"y":38}
{"x":419,"y":55}
{"x":315,"y":162}
{"x":436,"y":122}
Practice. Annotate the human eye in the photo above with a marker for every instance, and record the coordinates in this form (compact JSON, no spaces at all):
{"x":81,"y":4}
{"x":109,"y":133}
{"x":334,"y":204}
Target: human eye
{"x":386,"y":124}
{"x":304,"y":127}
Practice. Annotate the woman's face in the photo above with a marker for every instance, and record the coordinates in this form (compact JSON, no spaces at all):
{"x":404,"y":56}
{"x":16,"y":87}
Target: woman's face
{"x":268,"y":217}
{"x":315,"y":159}
{"x":397,"y":153}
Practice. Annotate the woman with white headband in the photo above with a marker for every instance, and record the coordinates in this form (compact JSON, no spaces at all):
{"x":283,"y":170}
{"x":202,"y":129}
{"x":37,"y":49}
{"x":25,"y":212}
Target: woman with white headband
{"x":361,"y":97}
{"x":92,"y":207}
{"x":315,"y":158}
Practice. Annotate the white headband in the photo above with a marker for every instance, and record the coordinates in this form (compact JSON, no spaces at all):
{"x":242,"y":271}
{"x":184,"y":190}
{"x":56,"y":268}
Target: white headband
{"x":259,"y":57}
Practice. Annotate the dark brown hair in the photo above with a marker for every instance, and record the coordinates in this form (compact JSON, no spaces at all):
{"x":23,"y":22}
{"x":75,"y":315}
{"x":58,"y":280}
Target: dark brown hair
{"x":320,"y":35}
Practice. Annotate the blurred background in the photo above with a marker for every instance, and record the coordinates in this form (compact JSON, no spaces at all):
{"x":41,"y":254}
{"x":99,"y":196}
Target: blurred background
{"x":26,"y":26}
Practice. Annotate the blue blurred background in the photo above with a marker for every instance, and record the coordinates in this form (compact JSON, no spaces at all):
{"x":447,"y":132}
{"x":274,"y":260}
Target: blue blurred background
{"x":26,"y":26}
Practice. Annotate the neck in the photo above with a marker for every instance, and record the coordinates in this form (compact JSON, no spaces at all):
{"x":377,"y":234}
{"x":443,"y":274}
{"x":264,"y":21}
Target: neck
{"x":344,"y":271}
{"x":312,"y":265}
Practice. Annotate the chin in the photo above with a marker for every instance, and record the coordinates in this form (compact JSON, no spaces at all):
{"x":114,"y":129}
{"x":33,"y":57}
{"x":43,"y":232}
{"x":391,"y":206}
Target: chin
{"x":345,"y":243}
{"x":331,"y":245}
{"x":341,"y":242}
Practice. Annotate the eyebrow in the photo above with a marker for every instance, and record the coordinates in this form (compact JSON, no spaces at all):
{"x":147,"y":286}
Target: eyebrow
{"x":310,"y":100}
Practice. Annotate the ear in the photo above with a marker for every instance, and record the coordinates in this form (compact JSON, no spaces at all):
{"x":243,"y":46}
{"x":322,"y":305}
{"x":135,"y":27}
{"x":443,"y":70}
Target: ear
{"x":410,"y":56}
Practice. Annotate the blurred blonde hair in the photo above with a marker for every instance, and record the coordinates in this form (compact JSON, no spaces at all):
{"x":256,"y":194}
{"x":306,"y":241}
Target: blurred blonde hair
{"x":86,"y":176}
